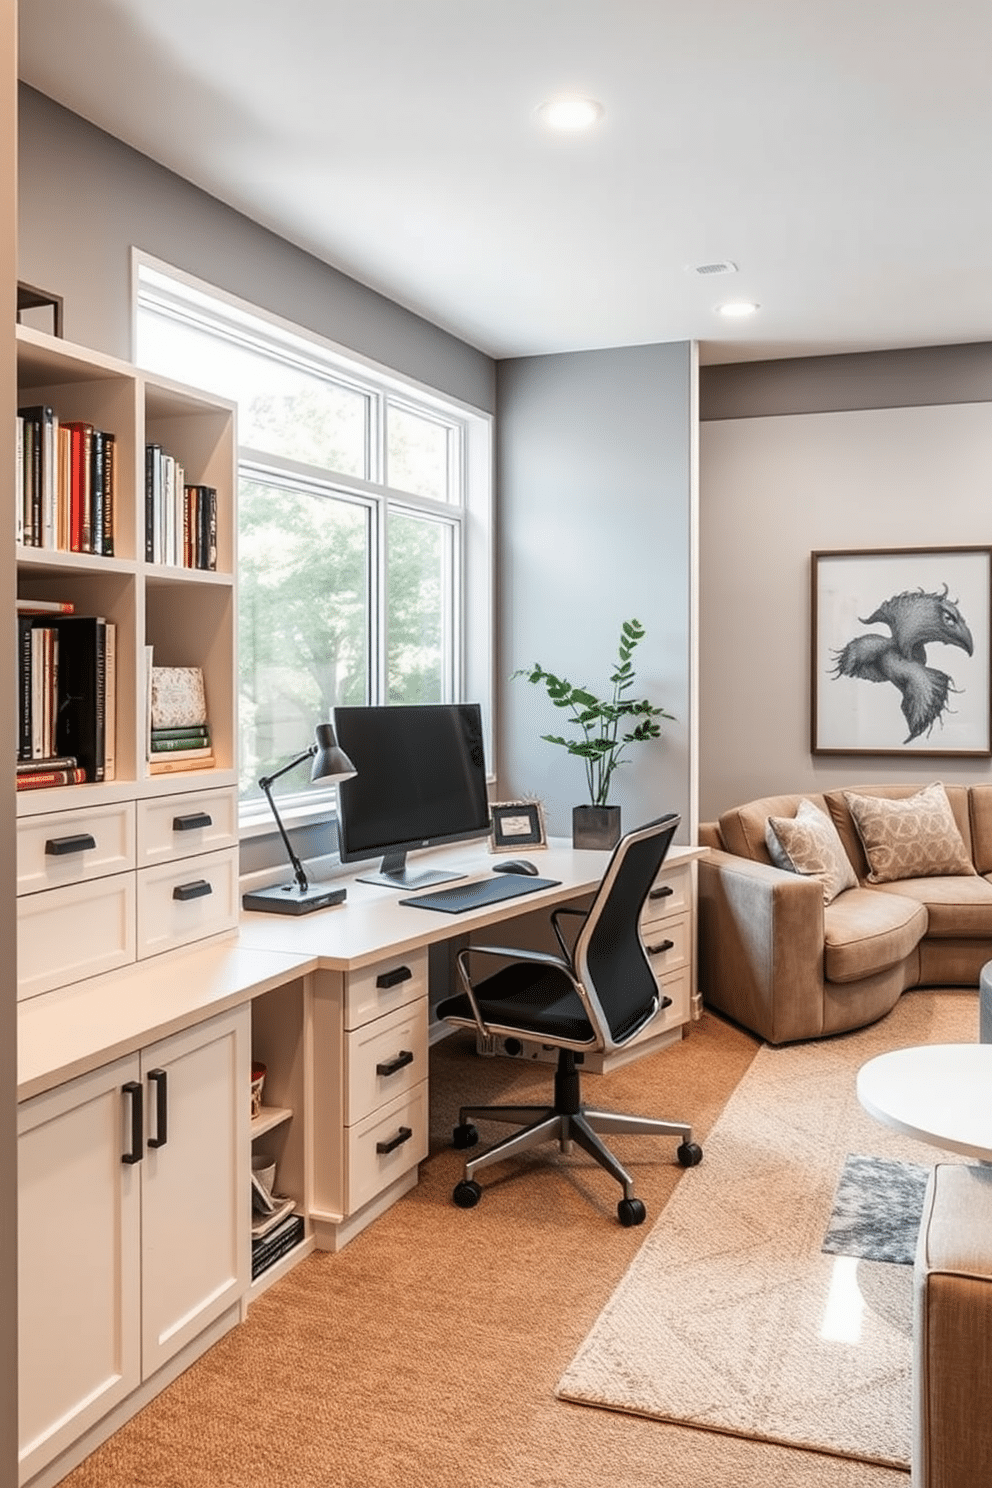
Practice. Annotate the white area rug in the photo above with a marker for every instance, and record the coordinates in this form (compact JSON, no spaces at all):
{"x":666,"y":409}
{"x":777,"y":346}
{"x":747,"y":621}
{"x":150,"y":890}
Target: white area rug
{"x":731,"y":1317}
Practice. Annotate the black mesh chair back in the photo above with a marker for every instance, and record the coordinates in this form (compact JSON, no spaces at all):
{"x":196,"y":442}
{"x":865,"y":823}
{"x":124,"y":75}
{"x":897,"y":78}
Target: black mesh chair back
{"x":609,"y":957}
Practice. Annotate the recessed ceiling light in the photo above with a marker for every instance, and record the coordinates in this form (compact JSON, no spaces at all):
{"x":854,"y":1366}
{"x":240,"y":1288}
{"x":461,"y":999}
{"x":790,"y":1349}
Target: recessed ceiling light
{"x":570,"y":113}
{"x":737,"y":309}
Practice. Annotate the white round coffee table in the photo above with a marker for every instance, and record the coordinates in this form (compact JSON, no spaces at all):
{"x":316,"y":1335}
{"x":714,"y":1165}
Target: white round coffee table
{"x":940,"y":1093}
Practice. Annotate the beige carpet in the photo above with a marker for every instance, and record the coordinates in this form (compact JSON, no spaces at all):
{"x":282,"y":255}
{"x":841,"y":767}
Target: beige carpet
{"x":730,"y":1316}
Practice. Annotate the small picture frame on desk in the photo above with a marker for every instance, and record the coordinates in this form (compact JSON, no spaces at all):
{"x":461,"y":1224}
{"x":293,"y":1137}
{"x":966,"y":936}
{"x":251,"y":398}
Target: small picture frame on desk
{"x":517,"y":824}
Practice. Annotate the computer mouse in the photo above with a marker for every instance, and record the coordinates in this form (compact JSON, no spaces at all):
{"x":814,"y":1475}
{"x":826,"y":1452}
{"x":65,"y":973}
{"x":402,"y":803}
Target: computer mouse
{"x":516,"y":865}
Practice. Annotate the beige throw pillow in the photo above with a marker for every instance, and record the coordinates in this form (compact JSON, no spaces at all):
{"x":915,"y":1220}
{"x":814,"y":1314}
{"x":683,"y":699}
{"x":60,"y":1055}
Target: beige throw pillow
{"x":916,"y":837}
{"x":808,"y":843}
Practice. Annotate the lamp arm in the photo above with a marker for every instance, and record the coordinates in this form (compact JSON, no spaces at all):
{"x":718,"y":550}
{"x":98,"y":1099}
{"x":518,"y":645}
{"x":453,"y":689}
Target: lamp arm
{"x":265,"y":784}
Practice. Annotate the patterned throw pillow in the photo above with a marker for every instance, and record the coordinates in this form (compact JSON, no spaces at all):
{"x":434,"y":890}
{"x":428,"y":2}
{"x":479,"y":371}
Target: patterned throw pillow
{"x":916,"y":837}
{"x":808,"y":843}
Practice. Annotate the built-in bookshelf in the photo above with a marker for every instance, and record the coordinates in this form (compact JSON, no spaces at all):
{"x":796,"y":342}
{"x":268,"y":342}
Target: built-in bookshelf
{"x":101,"y":595}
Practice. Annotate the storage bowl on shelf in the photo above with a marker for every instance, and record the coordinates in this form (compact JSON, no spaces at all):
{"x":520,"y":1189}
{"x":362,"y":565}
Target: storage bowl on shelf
{"x":257,"y":1086}
{"x":264,"y":1169}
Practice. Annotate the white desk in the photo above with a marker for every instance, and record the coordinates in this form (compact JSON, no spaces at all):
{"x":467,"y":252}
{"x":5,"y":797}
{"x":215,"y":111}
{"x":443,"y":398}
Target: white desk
{"x":336,"y":1004}
{"x":939,"y":1093}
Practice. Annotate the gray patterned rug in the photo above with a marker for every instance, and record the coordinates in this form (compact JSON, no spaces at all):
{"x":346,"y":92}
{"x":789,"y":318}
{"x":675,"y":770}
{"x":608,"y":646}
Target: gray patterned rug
{"x":877,"y":1209}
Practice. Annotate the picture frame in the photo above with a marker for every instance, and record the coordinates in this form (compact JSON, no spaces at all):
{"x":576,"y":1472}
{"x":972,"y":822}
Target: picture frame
{"x":900,"y":642}
{"x":517,"y":825}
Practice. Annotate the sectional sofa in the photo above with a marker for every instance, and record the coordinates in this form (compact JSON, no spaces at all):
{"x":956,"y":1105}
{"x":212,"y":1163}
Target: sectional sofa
{"x":816,"y":912}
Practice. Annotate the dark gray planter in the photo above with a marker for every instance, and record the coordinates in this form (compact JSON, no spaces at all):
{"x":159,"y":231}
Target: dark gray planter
{"x":595,"y":826}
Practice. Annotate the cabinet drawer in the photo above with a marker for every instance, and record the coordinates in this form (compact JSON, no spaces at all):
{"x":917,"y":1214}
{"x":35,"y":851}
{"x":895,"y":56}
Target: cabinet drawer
{"x":74,"y":932}
{"x":69,"y":847}
{"x":379,"y":989}
{"x":385,"y":1059}
{"x":172,"y":827}
{"x":668,"y":895}
{"x":186,"y":901}
{"x":386,"y":1145}
{"x":667,"y":944}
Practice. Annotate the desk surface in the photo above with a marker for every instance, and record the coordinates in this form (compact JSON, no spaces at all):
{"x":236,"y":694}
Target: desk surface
{"x":74,"y":1029}
{"x":938,"y":1093}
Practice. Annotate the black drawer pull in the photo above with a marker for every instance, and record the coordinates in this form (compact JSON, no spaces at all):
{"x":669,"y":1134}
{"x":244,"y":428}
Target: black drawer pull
{"x":391,"y":1066}
{"x":664,"y":892}
{"x":198,"y":889}
{"x":665,"y":945}
{"x":61,"y":847}
{"x":135,"y":1090}
{"x":403,"y":1135}
{"x":394,"y":977}
{"x":191,"y":822}
{"x":159,"y":1079}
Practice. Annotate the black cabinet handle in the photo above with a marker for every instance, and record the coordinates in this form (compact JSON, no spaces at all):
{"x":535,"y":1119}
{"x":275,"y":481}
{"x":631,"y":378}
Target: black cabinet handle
{"x":159,"y":1079}
{"x":664,"y":892}
{"x":198,"y":889}
{"x":61,"y":847}
{"x":191,"y":822}
{"x":391,"y":1066}
{"x":403,"y":1135}
{"x":394,"y":977}
{"x":135,"y":1090}
{"x":656,"y":950}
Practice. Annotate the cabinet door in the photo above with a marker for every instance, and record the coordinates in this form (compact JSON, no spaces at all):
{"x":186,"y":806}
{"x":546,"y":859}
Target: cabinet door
{"x":78,"y":1262}
{"x":196,"y":1194}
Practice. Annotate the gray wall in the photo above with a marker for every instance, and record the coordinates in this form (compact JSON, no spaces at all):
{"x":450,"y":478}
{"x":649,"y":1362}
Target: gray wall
{"x":899,"y":456}
{"x":595,"y":460}
{"x":86,"y":199}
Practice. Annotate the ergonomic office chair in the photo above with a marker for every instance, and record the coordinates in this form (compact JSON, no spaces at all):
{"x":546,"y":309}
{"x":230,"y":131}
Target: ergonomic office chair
{"x":596,"y":996}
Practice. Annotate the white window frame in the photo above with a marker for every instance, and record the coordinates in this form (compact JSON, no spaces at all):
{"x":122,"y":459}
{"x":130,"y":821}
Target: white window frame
{"x":470,"y":668}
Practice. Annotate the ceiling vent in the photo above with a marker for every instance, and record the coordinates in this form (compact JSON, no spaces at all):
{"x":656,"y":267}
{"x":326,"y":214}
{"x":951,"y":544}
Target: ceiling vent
{"x":722,"y":266}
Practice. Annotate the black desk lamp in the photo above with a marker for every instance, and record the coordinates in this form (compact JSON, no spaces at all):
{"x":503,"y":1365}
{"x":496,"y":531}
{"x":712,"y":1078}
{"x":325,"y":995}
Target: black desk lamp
{"x":329,"y":763}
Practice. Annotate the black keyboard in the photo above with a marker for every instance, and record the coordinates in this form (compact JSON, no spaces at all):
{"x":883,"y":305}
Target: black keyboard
{"x":461,"y":897}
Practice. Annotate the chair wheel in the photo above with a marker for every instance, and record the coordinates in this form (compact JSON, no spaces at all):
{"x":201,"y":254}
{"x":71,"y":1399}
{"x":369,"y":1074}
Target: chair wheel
{"x":689,"y":1154}
{"x":465,"y":1135}
{"x":467,"y":1193}
{"x":631,"y":1212}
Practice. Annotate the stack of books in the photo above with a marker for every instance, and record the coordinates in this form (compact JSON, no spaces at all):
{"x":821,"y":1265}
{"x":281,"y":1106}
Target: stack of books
{"x":273,"y":1237}
{"x":180,"y":518}
{"x":67,"y":710}
{"x":66,"y":483}
{"x":178,"y":730}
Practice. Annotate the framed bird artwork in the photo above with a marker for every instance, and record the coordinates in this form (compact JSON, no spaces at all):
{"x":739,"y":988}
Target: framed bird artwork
{"x":901,"y":651}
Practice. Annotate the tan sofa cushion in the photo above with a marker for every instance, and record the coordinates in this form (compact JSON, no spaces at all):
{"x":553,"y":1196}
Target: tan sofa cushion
{"x":957,"y":908}
{"x":980,"y":802}
{"x":865,"y":932}
{"x":808,"y":843}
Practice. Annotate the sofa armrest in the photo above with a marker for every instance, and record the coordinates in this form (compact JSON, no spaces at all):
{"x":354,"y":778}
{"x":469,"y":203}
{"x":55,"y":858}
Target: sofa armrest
{"x":761,"y":946}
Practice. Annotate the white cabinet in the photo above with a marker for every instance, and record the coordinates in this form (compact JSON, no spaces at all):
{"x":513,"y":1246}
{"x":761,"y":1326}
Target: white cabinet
{"x":370,"y":1110}
{"x":132,"y":1224}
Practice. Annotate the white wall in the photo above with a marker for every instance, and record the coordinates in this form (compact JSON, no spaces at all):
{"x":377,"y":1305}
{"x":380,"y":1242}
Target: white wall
{"x":596,"y":526}
{"x":772,"y":491}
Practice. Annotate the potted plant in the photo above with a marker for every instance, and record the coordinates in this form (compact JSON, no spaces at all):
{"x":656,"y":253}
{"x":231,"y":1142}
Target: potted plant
{"x":606,"y":726}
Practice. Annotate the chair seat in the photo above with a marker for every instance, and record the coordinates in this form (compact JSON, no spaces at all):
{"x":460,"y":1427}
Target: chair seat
{"x":528,"y":999}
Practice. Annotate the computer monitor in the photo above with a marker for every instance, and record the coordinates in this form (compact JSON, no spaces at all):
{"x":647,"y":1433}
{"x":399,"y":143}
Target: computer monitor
{"x":421,"y":781}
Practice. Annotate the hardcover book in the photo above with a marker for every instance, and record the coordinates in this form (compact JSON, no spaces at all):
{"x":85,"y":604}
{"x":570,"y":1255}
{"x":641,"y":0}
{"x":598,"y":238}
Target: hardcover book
{"x":178,"y":697}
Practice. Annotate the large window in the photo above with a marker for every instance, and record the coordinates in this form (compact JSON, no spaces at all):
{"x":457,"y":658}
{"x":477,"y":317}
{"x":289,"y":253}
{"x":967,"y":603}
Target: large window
{"x":364,"y":570}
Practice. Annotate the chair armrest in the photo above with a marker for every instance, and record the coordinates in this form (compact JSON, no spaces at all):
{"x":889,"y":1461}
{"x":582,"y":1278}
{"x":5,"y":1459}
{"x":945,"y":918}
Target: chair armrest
{"x":513,"y":953}
{"x":761,"y":946}
{"x":565,"y":909}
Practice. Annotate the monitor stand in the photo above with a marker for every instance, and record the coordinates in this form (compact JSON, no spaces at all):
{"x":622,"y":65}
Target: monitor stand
{"x":394,"y":874}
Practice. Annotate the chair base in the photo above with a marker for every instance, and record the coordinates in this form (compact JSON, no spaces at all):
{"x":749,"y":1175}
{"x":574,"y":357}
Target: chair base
{"x":568,"y":1122}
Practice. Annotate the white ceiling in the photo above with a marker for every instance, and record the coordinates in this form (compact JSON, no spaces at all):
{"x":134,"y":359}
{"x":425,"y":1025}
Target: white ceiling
{"x":838,"y":151}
